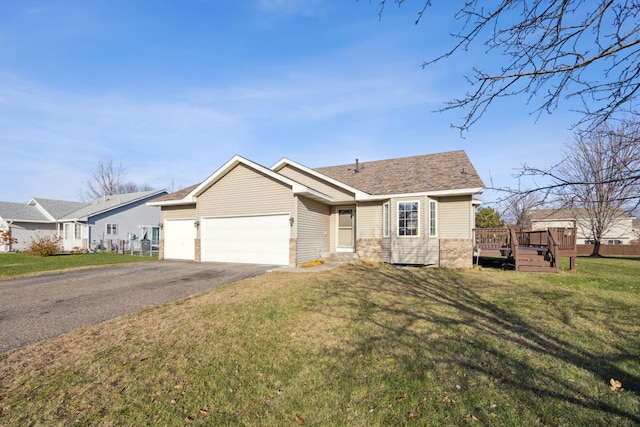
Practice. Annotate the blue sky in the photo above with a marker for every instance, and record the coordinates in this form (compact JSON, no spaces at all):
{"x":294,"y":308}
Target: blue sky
{"x":174,"y":89}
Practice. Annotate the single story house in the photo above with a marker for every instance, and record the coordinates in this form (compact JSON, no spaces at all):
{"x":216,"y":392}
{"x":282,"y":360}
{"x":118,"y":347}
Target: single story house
{"x":619,"y":232}
{"x":100,"y":223}
{"x":415,"y":210}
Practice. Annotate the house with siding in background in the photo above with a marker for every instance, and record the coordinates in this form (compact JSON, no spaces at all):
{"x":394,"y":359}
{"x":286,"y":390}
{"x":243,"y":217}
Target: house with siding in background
{"x":618,"y":231}
{"x":416,"y":210}
{"x":98,"y":224}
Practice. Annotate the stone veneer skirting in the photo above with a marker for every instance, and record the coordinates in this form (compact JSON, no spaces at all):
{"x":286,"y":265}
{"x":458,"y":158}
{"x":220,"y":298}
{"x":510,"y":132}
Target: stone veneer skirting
{"x":197,"y":249}
{"x":456,"y":253}
{"x":293,"y":252}
{"x":161,"y":250}
{"x":369,"y":250}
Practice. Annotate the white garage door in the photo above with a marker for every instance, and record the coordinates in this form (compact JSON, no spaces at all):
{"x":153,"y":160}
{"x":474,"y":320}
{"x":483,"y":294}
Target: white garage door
{"x":250,"y":239}
{"x":179,"y":239}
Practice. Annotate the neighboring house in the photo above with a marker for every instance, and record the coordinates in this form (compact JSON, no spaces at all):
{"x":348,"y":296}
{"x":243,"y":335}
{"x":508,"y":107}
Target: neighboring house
{"x":619,"y":233}
{"x":37,"y":217}
{"x":414,"y":210}
{"x":100,"y":223}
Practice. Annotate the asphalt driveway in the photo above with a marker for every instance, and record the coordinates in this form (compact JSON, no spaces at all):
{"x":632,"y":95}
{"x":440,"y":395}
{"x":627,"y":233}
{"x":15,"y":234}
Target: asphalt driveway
{"x":37,"y":308}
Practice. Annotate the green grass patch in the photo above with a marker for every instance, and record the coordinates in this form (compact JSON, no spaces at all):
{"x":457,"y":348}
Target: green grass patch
{"x":357,"y":345}
{"x":22,"y":264}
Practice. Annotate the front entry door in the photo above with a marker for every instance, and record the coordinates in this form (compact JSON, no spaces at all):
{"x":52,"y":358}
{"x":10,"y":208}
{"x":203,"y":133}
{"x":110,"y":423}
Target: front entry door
{"x":345,"y":229}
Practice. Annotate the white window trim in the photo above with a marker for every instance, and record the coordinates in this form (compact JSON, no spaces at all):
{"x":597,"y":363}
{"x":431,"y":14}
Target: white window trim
{"x":398,"y":218}
{"x":109,"y":227}
{"x":77,"y":230}
{"x":433,"y":232}
{"x":386,"y":219}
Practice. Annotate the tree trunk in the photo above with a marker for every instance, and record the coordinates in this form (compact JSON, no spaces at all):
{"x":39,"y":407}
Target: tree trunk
{"x":596,"y":248}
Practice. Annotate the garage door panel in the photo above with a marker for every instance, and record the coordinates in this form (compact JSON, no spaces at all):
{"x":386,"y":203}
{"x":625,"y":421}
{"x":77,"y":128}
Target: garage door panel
{"x":252,"y":239}
{"x":179,"y":238}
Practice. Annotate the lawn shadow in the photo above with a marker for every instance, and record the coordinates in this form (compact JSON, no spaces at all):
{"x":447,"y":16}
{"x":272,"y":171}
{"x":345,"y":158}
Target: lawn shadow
{"x":401,"y":299}
{"x":501,"y":263}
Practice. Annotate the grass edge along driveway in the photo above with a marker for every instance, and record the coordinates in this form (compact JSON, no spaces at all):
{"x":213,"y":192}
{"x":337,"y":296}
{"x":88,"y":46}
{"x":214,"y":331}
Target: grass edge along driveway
{"x":354,"y":346}
{"x":23,"y":264}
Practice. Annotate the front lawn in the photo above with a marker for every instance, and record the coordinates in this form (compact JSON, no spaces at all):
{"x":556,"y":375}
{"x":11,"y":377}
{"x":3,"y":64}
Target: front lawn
{"x":20,"y":264}
{"x":357,"y":346}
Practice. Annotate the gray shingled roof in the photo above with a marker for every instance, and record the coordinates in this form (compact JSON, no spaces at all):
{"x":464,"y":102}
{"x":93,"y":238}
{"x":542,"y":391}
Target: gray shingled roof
{"x":431,"y":172}
{"x":59,"y":208}
{"x":10,"y":211}
{"x":110,"y":202}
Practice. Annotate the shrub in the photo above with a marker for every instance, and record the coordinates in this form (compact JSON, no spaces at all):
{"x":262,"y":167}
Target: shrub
{"x":6,"y":239}
{"x":45,"y":245}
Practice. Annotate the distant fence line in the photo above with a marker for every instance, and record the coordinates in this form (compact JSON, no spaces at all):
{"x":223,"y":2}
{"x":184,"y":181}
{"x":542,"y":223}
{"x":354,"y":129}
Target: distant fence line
{"x":611,"y":250}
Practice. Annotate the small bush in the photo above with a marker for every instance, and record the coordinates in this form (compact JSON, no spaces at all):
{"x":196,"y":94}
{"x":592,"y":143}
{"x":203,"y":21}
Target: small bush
{"x":45,"y":245}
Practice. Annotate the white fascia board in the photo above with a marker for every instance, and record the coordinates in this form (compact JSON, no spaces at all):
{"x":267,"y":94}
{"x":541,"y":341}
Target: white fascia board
{"x":28,"y":221}
{"x":309,"y":192}
{"x":441,"y":193}
{"x":284,"y":161}
{"x":171,"y":202}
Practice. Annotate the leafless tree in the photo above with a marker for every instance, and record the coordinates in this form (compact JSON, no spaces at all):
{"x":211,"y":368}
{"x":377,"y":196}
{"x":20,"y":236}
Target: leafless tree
{"x":109,"y":179}
{"x":554,"y":50}
{"x":600,"y":175}
{"x":519,"y":207}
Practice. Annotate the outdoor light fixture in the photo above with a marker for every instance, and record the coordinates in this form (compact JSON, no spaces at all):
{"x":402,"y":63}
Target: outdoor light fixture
{"x":291,"y":221}
{"x":196,"y":223}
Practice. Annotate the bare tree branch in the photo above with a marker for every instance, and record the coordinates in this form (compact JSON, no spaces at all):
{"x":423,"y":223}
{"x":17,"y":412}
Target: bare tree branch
{"x":109,"y":179}
{"x":554,"y":50}
{"x":599,"y":175}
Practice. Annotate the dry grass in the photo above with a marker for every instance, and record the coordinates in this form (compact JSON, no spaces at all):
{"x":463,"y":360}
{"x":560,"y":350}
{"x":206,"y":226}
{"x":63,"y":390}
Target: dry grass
{"x":352,"y":346}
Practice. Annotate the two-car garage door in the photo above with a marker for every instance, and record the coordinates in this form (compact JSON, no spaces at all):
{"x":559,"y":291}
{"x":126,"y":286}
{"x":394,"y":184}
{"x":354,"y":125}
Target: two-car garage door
{"x":251,"y":239}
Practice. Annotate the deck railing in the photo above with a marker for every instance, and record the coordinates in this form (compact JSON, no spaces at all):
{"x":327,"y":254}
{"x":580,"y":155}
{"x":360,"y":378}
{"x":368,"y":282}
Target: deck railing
{"x":559,"y":242}
{"x":492,"y":238}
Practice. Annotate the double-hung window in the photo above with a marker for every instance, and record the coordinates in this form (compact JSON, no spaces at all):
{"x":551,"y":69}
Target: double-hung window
{"x":112,"y":229}
{"x":77,"y":231}
{"x":433,"y":218}
{"x":385,"y":220}
{"x":408,"y":219}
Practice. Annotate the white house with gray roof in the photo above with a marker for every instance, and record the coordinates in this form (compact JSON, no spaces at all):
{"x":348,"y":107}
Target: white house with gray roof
{"x":100,"y":223}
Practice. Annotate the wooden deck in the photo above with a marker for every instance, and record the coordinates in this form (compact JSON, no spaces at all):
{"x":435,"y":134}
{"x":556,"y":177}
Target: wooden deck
{"x":537,"y":250}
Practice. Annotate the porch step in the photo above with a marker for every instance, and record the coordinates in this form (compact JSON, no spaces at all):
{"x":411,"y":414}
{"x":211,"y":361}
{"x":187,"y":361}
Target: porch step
{"x":535,"y":260}
{"x":343,"y":257}
{"x":538,"y":269}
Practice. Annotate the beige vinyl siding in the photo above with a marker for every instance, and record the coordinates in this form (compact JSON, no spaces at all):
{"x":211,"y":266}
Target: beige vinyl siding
{"x":369,"y":220}
{"x":543,"y":225}
{"x":313,"y":229}
{"x":243,"y":191}
{"x":620,"y":229}
{"x":178,"y":212}
{"x":454,"y":217}
{"x":332,"y":230}
{"x":432,"y":252}
{"x":338,"y":194}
